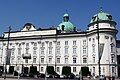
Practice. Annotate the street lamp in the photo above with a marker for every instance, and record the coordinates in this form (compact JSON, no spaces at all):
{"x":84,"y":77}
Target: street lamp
{"x":7,"y":52}
{"x":98,"y":46}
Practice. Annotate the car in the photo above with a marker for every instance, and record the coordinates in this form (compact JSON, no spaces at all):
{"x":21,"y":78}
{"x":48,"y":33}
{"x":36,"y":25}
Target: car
{"x":56,"y":76}
{"x":71,"y":76}
{"x":23,"y":75}
{"x":102,"y":77}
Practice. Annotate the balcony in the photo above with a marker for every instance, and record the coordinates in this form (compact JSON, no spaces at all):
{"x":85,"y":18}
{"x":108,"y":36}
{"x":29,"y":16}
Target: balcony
{"x":26,"y":56}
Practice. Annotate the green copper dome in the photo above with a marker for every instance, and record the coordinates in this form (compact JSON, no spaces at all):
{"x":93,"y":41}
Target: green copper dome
{"x":101,"y":16}
{"x":66,"y":25}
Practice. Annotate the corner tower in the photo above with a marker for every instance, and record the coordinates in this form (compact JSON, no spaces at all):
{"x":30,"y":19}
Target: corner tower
{"x":103,"y":24}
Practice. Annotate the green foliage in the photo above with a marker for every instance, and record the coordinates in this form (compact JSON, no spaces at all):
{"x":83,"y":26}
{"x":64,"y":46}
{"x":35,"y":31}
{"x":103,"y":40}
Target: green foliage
{"x":66,"y":70}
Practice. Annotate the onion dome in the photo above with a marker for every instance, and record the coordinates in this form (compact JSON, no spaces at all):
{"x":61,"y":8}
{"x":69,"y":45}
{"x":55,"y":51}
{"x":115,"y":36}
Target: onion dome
{"x":66,"y":25}
{"x":102,"y":17}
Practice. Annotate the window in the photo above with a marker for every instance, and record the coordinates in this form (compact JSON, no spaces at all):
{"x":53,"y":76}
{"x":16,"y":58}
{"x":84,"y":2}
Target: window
{"x":58,"y":69}
{"x":84,"y":60}
{"x":50,"y":60}
{"x":66,"y":42}
{"x":42,"y":51}
{"x":84,"y":42}
{"x":35,"y":44}
{"x":84,"y":49}
{"x":93,"y":48}
{"x":93,"y":59}
{"x":42,"y":69}
{"x":74,"y":69}
{"x":74,"y":43}
{"x":19,"y":51}
{"x":27,"y":44}
{"x":42,"y":44}
{"x":58,"y":60}
{"x":18,"y":59}
{"x":58,"y":43}
{"x":26,"y":60}
{"x":74,"y":50}
{"x":50,"y":50}
{"x":112,"y":48}
{"x":50,"y":44}
{"x":58,"y":50}
{"x":113,"y":69}
{"x":34,"y":51}
{"x":66,"y":50}
{"x":42,"y":60}
{"x":74,"y":60}
{"x":93,"y":40}
{"x":66,"y":60}
{"x":112,"y":58}
{"x":34,"y":60}
{"x":93,"y":71}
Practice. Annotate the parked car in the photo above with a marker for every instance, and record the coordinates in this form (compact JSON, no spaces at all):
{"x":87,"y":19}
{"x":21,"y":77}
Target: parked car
{"x":71,"y":76}
{"x":102,"y":77}
{"x":23,"y":75}
{"x":56,"y":76}
{"x":41,"y":75}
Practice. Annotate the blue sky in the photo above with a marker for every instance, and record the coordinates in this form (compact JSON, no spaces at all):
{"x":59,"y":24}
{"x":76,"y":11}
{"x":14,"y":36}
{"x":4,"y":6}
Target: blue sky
{"x":46,"y":13}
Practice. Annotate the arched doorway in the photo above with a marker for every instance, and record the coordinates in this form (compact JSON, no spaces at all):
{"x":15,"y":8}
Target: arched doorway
{"x":11,"y":69}
{"x":33,"y":69}
{"x":26,"y":69}
{"x":85,"y":71}
{"x":1,"y":69}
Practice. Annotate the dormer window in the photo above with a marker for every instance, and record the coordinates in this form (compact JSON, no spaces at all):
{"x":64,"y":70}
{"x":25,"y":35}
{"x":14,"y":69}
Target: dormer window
{"x":94,"y":18}
{"x":109,"y":17}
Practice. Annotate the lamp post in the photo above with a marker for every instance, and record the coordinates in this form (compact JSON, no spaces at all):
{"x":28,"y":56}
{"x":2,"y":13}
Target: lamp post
{"x":98,"y":47}
{"x":7,"y":51}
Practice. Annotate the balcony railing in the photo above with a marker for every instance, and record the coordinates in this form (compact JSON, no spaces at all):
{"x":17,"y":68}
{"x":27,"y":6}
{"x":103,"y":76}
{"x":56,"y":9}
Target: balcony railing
{"x":26,"y":56}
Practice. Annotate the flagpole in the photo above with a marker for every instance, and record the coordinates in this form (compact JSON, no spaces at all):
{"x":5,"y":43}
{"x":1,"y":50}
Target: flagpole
{"x":7,"y":51}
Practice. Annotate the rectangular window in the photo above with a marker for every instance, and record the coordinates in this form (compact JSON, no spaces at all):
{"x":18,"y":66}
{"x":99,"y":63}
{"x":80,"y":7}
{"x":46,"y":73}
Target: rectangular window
{"x":42,"y":60}
{"x":58,"y":69}
{"x":50,"y":60}
{"x":74,"y":50}
{"x":34,"y":60}
{"x":84,"y":42}
{"x":112,"y":48}
{"x":93,"y":48}
{"x":84,"y":50}
{"x":112,"y":58}
{"x":58,"y":50}
{"x":93,"y":59}
{"x":58,"y":60}
{"x":66,"y":50}
{"x":26,"y":60}
{"x":74,"y":60}
{"x":58,"y":43}
{"x":84,"y":60}
{"x":74,"y":69}
{"x":50,"y":50}
{"x":66,"y":60}
{"x":50,"y":44}
{"x":66,"y":42}
{"x":42,"y":69}
{"x":42,"y":45}
{"x":74,"y":43}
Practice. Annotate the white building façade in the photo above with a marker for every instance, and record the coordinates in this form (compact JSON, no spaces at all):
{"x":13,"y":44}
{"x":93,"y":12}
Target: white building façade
{"x":62,"y":46}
